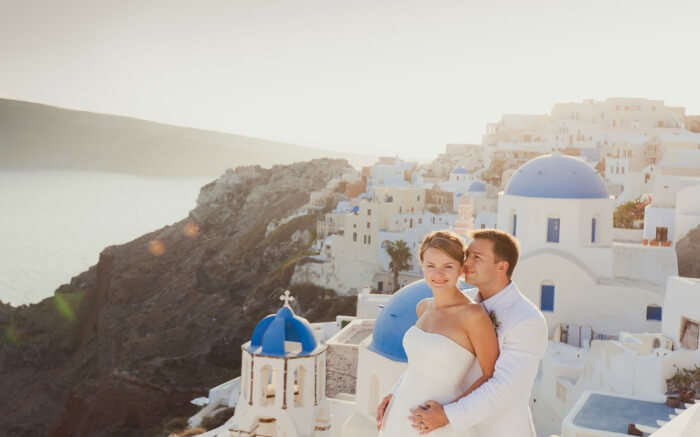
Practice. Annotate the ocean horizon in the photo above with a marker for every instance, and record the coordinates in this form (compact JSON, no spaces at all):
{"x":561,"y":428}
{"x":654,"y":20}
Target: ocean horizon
{"x":54,"y":223}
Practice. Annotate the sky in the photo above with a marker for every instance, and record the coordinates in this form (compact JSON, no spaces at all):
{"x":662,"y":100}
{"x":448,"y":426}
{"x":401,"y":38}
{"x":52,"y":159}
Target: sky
{"x":380,"y":77}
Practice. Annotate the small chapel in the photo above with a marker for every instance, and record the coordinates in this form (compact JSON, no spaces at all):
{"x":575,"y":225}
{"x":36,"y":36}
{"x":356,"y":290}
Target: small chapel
{"x":283,"y":370}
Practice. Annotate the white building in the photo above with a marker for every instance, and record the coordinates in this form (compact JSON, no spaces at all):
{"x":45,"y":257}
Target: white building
{"x":282,"y":383}
{"x":559,"y":209}
{"x":661,"y":215}
{"x":390,"y":174}
{"x":630,"y":134}
{"x":603,"y":388}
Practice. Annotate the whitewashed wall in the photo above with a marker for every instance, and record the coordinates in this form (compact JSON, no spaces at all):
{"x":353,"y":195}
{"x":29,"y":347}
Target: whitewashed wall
{"x":581,"y":299}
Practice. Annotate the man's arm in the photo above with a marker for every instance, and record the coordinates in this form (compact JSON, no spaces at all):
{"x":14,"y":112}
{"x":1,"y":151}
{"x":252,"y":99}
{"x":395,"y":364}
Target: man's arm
{"x":511,"y":383}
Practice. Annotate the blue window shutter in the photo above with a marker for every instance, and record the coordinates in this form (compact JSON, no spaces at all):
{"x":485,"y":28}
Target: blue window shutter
{"x":552,"y":230}
{"x":515,"y":224}
{"x":593,"y":226}
{"x":547,"y":298}
{"x":653,"y":313}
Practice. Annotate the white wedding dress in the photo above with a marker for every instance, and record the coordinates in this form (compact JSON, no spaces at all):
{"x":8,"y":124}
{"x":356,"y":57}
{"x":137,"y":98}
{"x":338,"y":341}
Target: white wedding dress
{"x":438,"y":369}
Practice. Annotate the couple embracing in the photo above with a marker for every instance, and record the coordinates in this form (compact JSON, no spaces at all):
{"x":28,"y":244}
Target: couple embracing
{"x":472,"y":359}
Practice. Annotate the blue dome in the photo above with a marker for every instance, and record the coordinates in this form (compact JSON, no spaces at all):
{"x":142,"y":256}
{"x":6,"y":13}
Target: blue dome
{"x":272,"y":331}
{"x":559,"y":177}
{"x":398,"y":315}
{"x":460,"y":170}
{"x":477,"y":187}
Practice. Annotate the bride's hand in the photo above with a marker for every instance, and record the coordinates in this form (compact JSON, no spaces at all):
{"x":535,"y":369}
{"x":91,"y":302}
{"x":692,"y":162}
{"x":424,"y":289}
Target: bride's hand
{"x":381,"y":409}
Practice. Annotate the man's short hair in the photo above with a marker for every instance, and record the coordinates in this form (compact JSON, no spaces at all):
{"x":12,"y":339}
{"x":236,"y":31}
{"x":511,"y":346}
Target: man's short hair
{"x":505,"y":246}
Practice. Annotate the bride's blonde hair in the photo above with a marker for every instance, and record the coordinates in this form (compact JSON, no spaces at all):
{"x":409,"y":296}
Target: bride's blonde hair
{"x":447,"y":241}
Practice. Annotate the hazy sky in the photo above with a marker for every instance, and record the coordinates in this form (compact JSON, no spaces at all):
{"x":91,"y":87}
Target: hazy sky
{"x":371,"y":76}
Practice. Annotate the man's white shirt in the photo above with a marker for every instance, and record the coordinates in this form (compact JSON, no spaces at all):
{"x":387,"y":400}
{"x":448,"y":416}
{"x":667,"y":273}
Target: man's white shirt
{"x":500,"y":406}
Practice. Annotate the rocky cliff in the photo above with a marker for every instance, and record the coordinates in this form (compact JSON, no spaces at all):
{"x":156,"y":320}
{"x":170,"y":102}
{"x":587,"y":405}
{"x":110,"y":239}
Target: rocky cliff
{"x":160,"y":320}
{"x":687,"y":249}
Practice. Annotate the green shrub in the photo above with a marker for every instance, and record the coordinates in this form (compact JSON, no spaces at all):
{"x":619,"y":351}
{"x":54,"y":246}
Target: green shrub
{"x":627,"y":213}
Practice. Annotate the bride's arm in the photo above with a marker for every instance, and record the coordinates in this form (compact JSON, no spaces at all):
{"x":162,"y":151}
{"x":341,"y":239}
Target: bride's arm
{"x":482,"y":335}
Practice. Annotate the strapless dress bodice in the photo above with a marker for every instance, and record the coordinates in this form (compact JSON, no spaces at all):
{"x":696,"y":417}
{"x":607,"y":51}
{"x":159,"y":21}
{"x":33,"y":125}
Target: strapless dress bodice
{"x":439,"y":369}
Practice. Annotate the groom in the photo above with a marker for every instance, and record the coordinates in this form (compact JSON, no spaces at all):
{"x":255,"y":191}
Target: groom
{"x":499,"y":407}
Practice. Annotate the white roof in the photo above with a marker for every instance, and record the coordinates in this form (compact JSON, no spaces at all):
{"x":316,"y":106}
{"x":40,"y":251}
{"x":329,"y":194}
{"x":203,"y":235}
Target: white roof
{"x":681,"y":158}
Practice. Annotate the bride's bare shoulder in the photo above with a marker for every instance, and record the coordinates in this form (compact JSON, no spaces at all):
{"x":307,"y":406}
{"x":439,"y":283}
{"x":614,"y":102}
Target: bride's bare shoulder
{"x":473,"y":313}
{"x":423,"y":305}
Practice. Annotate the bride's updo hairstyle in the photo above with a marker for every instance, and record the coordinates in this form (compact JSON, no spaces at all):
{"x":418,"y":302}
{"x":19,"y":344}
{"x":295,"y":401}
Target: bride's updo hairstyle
{"x":447,"y":241}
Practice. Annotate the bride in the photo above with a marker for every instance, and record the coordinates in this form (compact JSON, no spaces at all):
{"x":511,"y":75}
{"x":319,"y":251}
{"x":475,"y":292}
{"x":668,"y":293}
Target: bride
{"x":452,"y":348}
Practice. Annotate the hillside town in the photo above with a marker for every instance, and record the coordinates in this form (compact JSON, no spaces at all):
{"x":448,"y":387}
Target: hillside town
{"x":603,"y":196}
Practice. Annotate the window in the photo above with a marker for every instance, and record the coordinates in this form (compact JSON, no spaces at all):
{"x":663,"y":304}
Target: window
{"x":268,"y":380}
{"x":367,"y":225}
{"x":690,"y":332}
{"x":515,"y":224}
{"x":552,"y":230}
{"x":364,"y":239}
{"x":547,"y":298}
{"x":369,"y":212}
{"x":661,"y":233}
{"x":354,"y":236}
{"x":369,"y":239}
{"x":380,"y":286}
{"x":653,"y":312}
{"x":299,"y":377}
{"x":593,"y":226}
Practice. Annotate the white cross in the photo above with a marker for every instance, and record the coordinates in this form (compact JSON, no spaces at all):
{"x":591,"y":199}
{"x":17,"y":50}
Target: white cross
{"x":286,"y":297}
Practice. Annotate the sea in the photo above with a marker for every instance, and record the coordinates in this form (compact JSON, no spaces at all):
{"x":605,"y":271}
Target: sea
{"x":54,"y":224}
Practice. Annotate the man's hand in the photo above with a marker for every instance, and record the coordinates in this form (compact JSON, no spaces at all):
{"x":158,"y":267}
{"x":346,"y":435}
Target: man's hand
{"x":428,"y":417}
{"x":381,"y":409}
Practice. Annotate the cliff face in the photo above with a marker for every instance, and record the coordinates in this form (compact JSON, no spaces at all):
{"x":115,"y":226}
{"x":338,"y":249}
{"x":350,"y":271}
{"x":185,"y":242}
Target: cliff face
{"x":687,"y":249}
{"x":160,"y":320}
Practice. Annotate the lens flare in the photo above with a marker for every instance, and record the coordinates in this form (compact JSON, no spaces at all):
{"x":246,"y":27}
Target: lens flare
{"x":156,"y":247}
{"x":191,"y":230}
{"x":63,"y":307}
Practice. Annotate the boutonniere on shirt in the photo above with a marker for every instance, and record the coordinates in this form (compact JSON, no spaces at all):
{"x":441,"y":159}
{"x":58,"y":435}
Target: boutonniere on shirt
{"x":494,"y":320}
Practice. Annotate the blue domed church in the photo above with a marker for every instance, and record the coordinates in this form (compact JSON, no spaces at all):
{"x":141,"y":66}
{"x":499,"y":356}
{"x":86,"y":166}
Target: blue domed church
{"x":585,"y":284}
{"x":283,"y":378}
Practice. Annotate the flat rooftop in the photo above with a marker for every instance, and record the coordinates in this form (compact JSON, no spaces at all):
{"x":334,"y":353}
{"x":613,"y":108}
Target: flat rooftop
{"x":613,"y":414}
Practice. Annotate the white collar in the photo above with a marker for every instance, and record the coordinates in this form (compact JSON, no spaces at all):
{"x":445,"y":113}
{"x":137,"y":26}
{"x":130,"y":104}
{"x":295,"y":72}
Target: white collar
{"x":501,"y":299}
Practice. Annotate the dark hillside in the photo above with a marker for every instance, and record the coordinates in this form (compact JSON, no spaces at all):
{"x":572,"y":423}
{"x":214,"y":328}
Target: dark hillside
{"x":158,"y":321}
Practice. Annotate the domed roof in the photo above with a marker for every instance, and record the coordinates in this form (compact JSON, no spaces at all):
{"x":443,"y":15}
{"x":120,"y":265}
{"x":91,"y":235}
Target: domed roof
{"x":460,"y":170}
{"x":477,"y":187}
{"x":272,"y":331}
{"x":398,"y":315}
{"x":557,"y":176}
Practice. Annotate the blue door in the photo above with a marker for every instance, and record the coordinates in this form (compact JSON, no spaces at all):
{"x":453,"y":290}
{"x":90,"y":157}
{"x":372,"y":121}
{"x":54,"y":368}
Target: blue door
{"x":547,"y":298}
